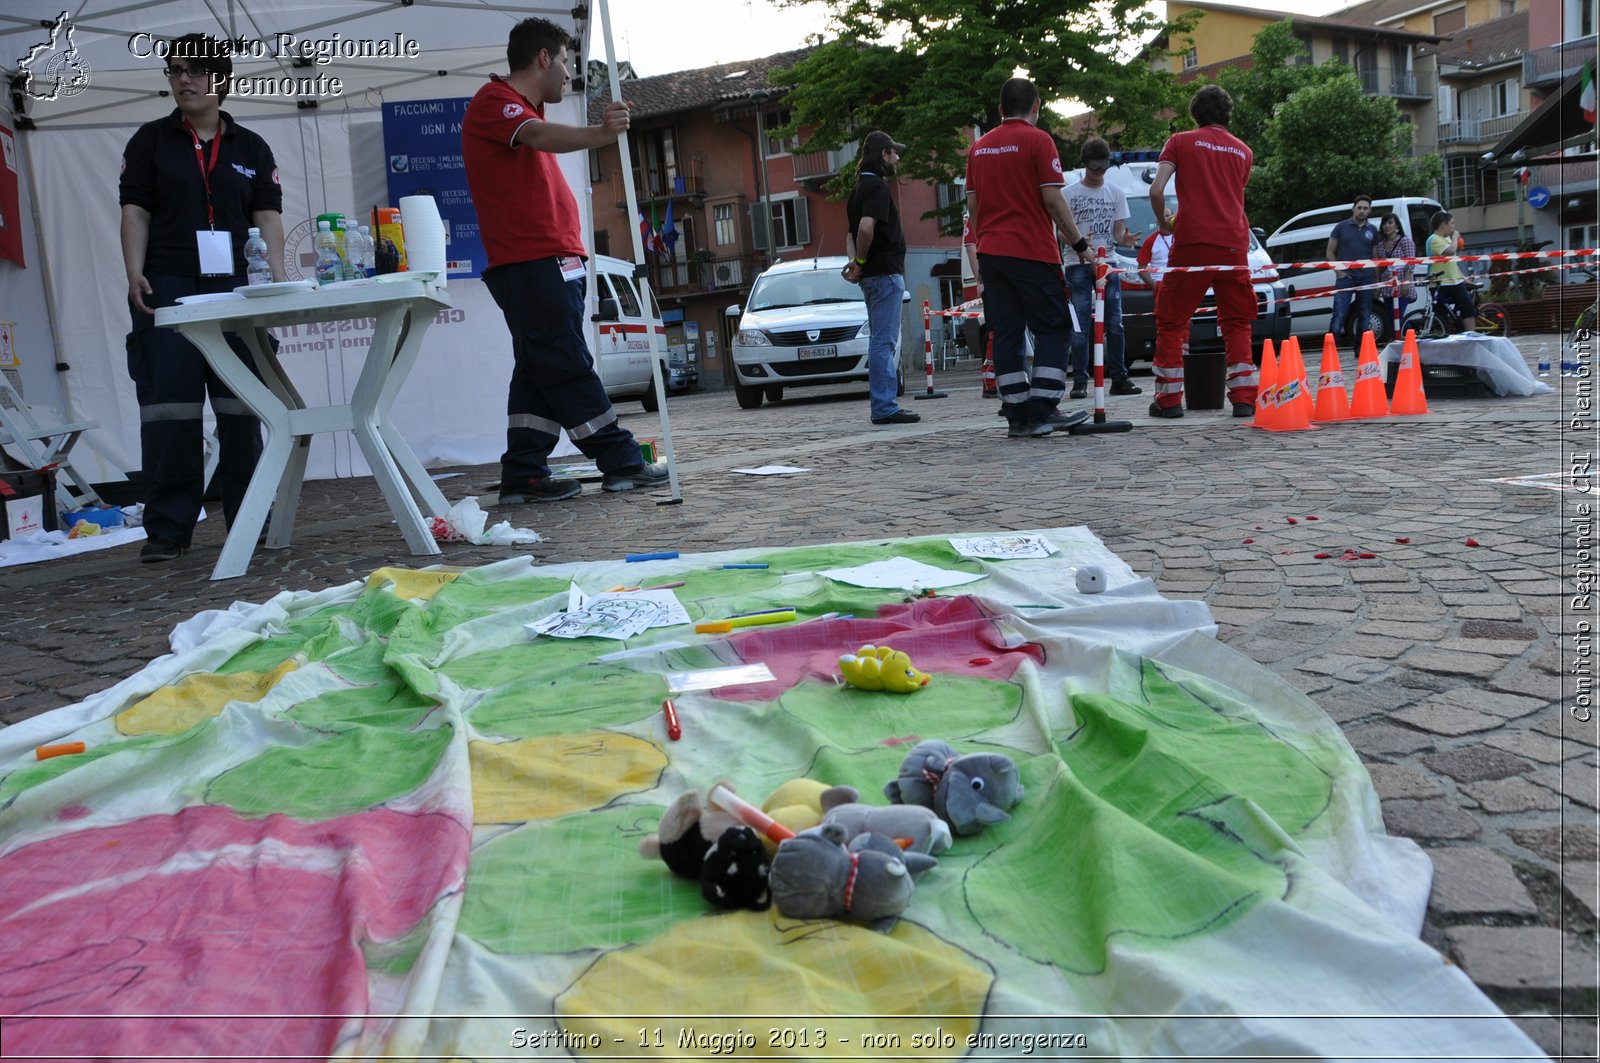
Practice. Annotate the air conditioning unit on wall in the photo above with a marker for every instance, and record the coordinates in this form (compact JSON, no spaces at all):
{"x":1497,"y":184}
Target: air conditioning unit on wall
{"x":729,"y":274}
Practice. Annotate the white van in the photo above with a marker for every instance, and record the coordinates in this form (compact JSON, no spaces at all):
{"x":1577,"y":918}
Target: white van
{"x":1304,"y":238}
{"x":626,"y":336}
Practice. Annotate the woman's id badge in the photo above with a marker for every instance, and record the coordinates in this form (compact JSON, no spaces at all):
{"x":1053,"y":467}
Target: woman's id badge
{"x":216,"y":252}
{"x":572,"y":268}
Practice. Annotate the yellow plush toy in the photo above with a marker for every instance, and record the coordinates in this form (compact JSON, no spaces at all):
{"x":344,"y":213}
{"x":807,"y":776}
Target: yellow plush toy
{"x":881,"y":668}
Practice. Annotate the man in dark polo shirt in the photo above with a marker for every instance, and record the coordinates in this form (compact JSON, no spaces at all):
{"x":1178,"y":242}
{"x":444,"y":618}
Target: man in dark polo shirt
{"x":1352,"y":239}
{"x":528,"y":218}
{"x":877,"y":249}
{"x":1014,"y":199}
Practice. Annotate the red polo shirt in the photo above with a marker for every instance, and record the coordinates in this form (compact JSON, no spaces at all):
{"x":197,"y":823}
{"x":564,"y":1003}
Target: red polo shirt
{"x":1212,"y":166}
{"x":526,"y":209}
{"x":1005,"y":170}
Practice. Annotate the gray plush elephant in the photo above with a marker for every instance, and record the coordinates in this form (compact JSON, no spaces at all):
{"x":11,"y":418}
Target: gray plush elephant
{"x":968,"y":792}
{"x":814,"y":876}
{"x":928,"y":833}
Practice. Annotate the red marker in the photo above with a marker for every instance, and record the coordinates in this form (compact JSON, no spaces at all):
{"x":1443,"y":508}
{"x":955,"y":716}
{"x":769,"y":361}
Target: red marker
{"x":670,"y":710}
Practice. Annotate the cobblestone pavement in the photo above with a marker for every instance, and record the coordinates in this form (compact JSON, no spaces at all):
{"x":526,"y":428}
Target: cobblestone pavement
{"x":1441,"y":659}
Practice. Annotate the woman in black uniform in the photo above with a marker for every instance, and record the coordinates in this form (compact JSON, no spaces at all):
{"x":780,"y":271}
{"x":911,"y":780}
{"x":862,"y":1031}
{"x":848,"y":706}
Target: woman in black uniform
{"x":193,"y":184}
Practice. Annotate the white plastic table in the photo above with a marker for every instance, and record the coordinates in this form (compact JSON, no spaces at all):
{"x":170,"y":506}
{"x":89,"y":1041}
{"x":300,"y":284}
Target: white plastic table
{"x":403,"y":311}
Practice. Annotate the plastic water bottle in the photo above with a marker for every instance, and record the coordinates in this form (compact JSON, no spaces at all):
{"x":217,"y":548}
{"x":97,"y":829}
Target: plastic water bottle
{"x":1568,"y":366}
{"x":256,"y":267}
{"x":329,"y":266}
{"x":1544,"y":359}
{"x":364,"y":267}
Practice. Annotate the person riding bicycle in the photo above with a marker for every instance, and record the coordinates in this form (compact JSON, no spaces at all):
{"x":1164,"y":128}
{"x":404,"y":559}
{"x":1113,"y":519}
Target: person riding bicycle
{"x":1452,"y":290}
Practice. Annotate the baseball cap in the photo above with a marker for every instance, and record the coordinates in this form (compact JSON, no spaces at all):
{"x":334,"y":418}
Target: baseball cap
{"x":878,"y":140}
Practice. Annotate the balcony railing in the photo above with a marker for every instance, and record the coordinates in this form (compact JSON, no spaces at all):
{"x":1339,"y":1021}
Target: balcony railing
{"x":818,"y":165}
{"x":1558,"y":61}
{"x":726,"y":273}
{"x":662,"y":183}
{"x":1375,"y":82}
{"x":1477,"y":130}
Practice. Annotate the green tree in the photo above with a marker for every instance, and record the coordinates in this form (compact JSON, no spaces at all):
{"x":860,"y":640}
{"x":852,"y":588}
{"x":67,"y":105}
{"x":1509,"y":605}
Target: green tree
{"x":1278,"y":68}
{"x":943,"y":74}
{"x":1328,"y":142}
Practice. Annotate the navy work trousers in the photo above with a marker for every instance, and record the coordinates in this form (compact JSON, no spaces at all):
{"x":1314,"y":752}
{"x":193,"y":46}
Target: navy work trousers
{"x":171,"y":381}
{"x":1018,"y":294}
{"x":553,"y":381}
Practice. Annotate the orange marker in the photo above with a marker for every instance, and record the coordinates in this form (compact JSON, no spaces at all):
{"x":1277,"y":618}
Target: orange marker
{"x":752,"y":816}
{"x":674,"y":731}
{"x":65,"y":749}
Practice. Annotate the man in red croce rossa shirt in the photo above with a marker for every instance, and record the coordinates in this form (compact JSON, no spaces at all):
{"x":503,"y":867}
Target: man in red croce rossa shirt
{"x":1014,"y":199}
{"x":1214,"y":166}
{"x":528,"y":220}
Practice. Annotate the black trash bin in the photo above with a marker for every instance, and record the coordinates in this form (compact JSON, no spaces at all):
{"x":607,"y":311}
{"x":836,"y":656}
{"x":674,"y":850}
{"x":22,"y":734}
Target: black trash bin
{"x":1204,"y":377}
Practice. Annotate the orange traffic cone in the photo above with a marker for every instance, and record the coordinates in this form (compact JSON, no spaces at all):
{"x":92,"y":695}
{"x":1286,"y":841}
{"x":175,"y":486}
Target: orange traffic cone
{"x":1294,"y":398}
{"x":1370,"y":400}
{"x":1332,"y":403}
{"x":1292,"y":406}
{"x":1267,"y":392}
{"x":1409,"y":401}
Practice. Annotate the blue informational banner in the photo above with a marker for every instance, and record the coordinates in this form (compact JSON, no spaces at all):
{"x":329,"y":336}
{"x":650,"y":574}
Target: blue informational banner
{"x":1538,"y":196}
{"x":422,"y":139}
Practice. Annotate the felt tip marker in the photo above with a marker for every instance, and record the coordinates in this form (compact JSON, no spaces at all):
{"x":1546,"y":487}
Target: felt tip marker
{"x":674,"y":731}
{"x":664,"y":586}
{"x":659,"y":555}
{"x":762,"y":612}
{"x":744,"y":566}
{"x":721,"y":627}
{"x":64,"y":749}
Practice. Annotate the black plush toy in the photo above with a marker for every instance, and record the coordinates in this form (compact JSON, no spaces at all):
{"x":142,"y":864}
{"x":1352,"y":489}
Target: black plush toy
{"x":703,"y":843}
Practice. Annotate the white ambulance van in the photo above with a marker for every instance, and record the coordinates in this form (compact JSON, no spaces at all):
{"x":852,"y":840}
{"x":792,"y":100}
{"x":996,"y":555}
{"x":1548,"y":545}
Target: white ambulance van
{"x":627,"y":334}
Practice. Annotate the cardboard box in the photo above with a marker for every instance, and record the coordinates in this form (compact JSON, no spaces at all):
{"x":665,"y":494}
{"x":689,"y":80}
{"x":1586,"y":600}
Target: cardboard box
{"x":27,"y":502}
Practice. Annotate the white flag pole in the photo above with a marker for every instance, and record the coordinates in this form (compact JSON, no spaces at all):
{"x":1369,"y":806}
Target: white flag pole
{"x":638,"y":258}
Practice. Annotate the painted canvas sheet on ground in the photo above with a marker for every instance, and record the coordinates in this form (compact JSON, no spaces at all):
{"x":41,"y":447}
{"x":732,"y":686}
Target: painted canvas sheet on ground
{"x":386,"y":819}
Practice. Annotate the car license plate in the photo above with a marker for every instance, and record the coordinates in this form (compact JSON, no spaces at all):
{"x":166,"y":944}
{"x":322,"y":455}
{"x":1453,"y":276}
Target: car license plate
{"x":816,"y":352}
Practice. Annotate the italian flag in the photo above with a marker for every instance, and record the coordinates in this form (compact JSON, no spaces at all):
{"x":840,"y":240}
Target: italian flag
{"x":1586,"y":98}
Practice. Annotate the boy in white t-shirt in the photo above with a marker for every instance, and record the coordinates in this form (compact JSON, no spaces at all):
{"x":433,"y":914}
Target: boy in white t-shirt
{"x":1101,"y":211}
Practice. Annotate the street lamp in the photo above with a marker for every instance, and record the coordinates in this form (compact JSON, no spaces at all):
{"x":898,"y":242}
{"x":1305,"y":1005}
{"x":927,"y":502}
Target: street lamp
{"x":760,"y":98}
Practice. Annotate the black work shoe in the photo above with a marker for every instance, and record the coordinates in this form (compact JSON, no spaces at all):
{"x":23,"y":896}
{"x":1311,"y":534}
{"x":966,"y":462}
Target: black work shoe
{"x":1059,"y":420}
{"x":549,"y":489}
{"x":1158,"y":410}
{"x":1125,"y":387}
{"x":1030,"y":430}
{"x":1079,"y":391}
{"x":899,"y":417}
{"x":160,"y":550}
{"x":1244,"y":409}
{"x":628,"y":479}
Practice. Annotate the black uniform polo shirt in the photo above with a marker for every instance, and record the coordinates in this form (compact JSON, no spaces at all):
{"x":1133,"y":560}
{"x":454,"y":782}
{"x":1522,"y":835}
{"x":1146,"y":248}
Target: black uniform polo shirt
{"x":159,"y":173}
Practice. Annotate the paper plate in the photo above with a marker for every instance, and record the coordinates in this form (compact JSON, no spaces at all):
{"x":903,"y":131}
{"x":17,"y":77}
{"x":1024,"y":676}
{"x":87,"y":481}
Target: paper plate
{"x":260,"y":291}
{"x":207,"y":297}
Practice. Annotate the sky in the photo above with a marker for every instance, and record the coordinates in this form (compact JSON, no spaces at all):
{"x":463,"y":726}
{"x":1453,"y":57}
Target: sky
{"x":659,"y":38}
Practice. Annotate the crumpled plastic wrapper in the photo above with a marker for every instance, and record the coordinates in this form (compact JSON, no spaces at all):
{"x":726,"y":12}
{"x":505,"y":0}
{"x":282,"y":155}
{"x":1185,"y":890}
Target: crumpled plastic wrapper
{"x":465,"y":523}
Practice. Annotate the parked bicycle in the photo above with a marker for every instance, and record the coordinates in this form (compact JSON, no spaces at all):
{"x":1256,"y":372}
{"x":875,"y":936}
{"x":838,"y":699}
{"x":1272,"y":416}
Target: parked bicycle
{"x":1434,"y":319}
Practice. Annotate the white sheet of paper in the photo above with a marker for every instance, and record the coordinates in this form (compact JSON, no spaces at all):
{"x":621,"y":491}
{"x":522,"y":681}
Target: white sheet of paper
{"x":670,"y":611}
{"x":772,"y":470}
{"x":1004,"y":547}
{"x":216,"y":252}
{"x":900,"y":572}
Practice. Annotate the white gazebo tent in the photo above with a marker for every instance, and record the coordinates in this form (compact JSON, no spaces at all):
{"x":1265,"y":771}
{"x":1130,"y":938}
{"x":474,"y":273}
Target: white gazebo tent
{"x":69,"y":304}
